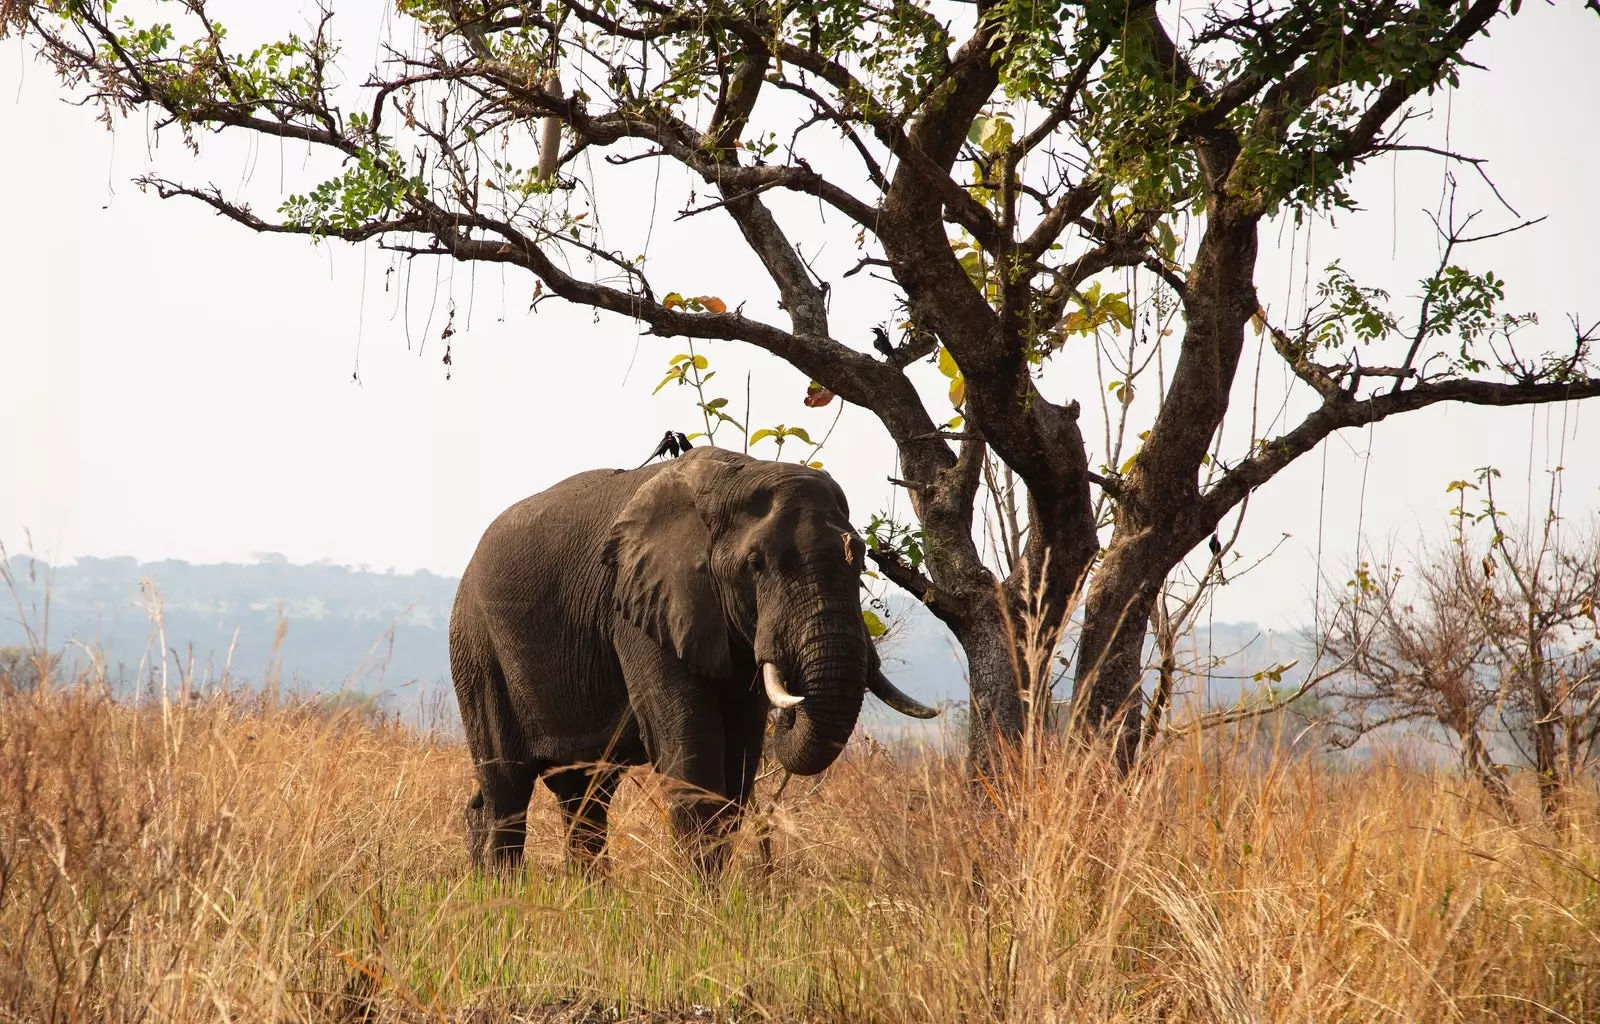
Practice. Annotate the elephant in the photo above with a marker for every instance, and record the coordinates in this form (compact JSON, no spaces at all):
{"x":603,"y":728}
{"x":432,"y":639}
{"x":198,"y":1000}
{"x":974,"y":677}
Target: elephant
{"x":655,"y":616}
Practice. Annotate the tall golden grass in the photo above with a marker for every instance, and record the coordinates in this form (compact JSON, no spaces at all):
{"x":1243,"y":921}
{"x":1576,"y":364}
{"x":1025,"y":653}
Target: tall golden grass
{"x":225,"y":859}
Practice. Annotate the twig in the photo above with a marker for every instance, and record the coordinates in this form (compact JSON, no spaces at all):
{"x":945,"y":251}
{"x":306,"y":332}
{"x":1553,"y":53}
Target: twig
{"x":683,"y":214}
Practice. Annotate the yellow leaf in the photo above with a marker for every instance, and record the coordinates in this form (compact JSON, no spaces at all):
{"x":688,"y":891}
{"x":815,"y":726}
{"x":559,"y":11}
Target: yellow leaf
{"x":673,"y":301}
{"x":672,"y":375}
{"x":958,"y":391}
{"x":947,"y":364}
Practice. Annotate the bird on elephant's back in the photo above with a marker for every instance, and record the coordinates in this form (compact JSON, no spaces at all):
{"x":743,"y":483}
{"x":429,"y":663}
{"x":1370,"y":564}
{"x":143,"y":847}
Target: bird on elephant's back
{"x":654,"y":616}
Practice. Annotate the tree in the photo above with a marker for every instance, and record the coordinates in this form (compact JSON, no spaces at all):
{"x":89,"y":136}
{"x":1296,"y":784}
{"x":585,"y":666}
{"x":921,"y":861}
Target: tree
{"x":1496,"y":640}
{"x":1010,"y":162}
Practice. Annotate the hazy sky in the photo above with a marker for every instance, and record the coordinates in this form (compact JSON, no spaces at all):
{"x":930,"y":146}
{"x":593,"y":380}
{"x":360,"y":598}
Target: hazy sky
{"x":174,"y":386}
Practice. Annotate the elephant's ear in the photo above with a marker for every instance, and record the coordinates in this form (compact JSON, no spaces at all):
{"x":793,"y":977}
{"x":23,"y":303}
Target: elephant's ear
{"x":661,"y":548}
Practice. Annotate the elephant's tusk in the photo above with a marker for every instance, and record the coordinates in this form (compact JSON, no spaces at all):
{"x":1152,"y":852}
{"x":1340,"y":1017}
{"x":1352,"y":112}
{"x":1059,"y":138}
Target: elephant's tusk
{"x":891,"y":695}
{"x":781,"y":698}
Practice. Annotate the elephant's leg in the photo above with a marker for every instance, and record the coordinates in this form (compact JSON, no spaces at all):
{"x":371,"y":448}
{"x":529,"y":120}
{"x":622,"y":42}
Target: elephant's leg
{"x":746,"y":723}
{"x":584,"y":794}
{"x":691,"y":754}
{"x":506,"y":789}
{"x":681,"y":716}
{"x":496,"y":816}
{"x":747,"y":727}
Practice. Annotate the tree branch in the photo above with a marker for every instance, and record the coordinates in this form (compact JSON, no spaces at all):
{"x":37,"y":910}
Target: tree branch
{"x":1342,"y":411}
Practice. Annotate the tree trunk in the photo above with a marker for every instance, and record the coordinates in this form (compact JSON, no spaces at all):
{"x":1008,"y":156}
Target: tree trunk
{"x":1544,"y":747}
{"x":1110,"y":669}
{"x":1166,"y":669}
{"x":995,"y":716}
{"x":1475,"y":758}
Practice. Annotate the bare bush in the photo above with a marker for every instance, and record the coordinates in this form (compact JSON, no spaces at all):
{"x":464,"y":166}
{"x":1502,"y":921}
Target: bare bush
{"x":1493,"y":639}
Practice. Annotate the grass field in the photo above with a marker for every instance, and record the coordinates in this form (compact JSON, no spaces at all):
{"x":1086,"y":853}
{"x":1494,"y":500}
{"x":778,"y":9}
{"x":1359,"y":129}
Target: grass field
{"x":223,"y":860}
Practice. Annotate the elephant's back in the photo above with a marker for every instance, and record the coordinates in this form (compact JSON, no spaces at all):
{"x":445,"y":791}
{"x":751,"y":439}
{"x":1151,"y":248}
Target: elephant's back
{"x":537,"y":594}
{"x":549,"y":545}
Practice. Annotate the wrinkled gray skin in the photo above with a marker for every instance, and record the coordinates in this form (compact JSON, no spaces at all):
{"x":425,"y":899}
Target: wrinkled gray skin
{"x":622,"y":618}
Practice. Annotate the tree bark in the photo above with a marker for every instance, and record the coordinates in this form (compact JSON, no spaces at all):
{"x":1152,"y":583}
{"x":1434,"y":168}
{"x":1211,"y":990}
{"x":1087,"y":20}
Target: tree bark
{"x":995,"y":718}
{"x":1544,"y":744}
{"x":1476,"y":760}
{"x":1111,"y":653}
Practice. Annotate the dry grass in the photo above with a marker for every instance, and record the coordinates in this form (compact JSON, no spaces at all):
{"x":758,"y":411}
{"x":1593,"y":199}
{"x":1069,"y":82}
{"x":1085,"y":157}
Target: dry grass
{"x":226,"y":861}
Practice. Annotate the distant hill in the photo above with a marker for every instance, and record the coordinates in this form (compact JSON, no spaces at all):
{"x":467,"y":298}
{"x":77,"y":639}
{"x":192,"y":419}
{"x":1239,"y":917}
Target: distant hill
{"x":346,"y":628}
{"x":384,"y":633}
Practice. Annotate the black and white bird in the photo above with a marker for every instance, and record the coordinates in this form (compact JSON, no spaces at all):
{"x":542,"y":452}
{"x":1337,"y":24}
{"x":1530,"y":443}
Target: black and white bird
{"x":880,"y":341}
{"x":673,"y":443}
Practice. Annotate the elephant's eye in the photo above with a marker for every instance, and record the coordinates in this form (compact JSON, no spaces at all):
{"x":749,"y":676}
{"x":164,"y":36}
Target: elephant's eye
{"x":756,"y":562}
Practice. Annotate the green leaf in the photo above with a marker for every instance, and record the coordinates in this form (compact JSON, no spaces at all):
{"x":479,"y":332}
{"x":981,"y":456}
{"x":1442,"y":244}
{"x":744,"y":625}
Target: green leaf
{"x":681,"y":357}
{"x":700,"y":362}
{"x":716,"y":403}
{"x":800,"y":432}
{"x":673,"y":300}
{"x":761,"y":434}
{"x":875,"y":626}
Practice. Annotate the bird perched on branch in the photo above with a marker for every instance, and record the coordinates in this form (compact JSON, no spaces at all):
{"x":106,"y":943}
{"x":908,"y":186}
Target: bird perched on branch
{"x":673,"y":443}
{"x":880,"y":341}
{"x":1216,"y":556}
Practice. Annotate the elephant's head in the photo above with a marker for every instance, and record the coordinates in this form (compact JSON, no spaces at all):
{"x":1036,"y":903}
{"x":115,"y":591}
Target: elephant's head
{"x":718,"y":554}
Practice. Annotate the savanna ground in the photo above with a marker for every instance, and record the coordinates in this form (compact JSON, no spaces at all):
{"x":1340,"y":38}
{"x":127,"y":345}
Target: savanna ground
{"x":227,"y":859}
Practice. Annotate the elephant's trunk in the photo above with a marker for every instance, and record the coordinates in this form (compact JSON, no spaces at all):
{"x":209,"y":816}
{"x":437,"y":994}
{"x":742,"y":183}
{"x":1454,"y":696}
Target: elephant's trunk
{"x":831,"y":678}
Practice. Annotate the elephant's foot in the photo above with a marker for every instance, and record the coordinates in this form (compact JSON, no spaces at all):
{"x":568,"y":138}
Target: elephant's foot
{"x":478,"y":827}
{"x":496,"y":819}
{"x":588,"y":866}
{"x":504,"y":842}
{"x":491,"y":845}
{"x":705,"y":829}
{"x":584,"y":795}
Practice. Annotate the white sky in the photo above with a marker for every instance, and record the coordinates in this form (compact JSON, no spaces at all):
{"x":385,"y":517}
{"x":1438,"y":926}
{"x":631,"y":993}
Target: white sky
{"x":174,"y":386}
